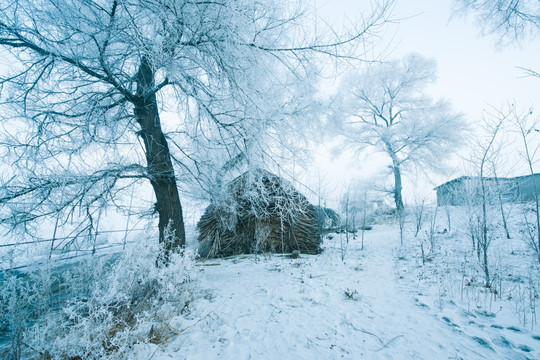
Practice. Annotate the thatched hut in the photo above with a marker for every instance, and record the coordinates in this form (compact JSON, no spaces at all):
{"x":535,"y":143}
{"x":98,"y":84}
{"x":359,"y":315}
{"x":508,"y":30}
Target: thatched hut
{"x":261,"y":213}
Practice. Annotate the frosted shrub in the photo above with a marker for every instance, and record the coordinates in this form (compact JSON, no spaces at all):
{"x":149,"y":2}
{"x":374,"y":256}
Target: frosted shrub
{"x":528,"y":229}
{"x":106,"y":307}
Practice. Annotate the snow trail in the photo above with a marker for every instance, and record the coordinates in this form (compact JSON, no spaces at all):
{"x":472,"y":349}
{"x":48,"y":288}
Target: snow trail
{"x":317,"y":307}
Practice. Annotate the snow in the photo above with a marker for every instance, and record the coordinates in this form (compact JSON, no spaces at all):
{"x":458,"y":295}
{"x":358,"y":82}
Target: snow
{"x":371,"y":305}
{"x":385,"y":301}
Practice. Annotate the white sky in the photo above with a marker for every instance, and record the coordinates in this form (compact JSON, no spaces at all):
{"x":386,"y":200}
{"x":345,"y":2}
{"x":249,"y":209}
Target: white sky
{"x":472,"y":73}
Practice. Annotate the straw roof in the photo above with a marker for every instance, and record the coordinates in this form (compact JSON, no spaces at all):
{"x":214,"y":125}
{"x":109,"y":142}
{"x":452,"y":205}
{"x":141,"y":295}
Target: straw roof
{"x":261,"y":213}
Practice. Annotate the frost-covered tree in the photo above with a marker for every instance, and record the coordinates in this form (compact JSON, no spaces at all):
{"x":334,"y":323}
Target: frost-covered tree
{"x":508,"y":20}
{"x":85,"y":86}
{"x":386,"y":108}
{"x":487,"y":150}
{"x":484,"y":194}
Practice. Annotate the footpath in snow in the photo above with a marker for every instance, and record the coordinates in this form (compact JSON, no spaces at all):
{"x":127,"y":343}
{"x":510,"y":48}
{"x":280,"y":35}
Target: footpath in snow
{"x":320,"y":307}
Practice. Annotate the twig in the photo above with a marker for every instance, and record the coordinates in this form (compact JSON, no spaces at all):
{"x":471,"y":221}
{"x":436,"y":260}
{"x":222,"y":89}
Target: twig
{"x":388,"y":343}
{"x":370,"y":333}
{"x":212,"y":264}
{"x":384,"y":345}
{"x":31,"y":348}
{"x":363,"y":331}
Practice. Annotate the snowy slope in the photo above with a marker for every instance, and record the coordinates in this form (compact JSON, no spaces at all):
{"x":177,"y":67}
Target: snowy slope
{"x":319,"y":307}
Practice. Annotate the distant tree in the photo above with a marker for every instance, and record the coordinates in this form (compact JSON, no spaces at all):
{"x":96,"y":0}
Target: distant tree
{"x":88,"y":81}
{"x":355,"y":207}
{"x":386,"y":108}
{"x":485,"y":239}
{"x":365,"y":212}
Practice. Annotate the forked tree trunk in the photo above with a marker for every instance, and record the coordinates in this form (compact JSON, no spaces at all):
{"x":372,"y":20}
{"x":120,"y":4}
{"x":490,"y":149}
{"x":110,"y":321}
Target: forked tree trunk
{"x":159,"y":164}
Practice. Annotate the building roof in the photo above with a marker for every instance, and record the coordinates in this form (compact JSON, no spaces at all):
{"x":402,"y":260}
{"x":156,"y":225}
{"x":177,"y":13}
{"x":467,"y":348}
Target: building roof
{"x":461,"y":178}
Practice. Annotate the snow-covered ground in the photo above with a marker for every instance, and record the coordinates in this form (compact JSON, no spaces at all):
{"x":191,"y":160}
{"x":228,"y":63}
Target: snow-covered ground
{"x":376,"y":304}
{"x":386,"y":301}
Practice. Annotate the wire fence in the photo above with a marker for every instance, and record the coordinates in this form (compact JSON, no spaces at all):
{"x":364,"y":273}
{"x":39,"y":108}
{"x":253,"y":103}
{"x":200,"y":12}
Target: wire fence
{"x":83,"y":253}
{"x":96,"y":233}
{"x":14,"y":254}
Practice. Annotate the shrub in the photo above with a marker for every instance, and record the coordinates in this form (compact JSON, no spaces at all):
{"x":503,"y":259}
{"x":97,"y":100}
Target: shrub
{"x":107,"y":307}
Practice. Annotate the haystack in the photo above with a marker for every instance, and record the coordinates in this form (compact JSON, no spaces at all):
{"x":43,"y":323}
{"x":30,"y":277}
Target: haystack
{"x":261,"y":213}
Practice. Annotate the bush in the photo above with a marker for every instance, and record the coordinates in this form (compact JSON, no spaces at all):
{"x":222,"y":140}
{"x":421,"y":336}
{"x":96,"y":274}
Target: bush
{"x":106,"y":307}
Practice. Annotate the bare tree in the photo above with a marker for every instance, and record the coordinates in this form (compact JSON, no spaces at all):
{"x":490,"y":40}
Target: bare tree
{"x":487,"y":150}
{"x":431,"y":232}
{"x":500,"y":189}
{"x":365,"y":212}
{"x":418,"y":212}
{"x":89,"y":81}
{"x":472,"y":222}
{"x":387,"y":109}
{"x":485,"y":239}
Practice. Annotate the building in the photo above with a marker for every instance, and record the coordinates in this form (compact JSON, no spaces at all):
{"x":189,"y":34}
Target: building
{"x":377,"y":204}
{"x":525,"y":187}
{"x":467,"y":189}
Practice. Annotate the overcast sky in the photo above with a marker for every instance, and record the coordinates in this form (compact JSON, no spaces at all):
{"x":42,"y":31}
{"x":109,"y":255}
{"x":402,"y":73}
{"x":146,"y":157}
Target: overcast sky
{"x":473,"y":74}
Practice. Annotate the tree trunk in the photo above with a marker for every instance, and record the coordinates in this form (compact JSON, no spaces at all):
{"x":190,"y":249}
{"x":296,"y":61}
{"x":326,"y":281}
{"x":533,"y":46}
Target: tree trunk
{"x":397,"y":178}
{"x":397,"y":188}
{"x":486,"y":266}
{"x":501,"y":206}
{"x":159,"y":164}
{"x":485,"y":237}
